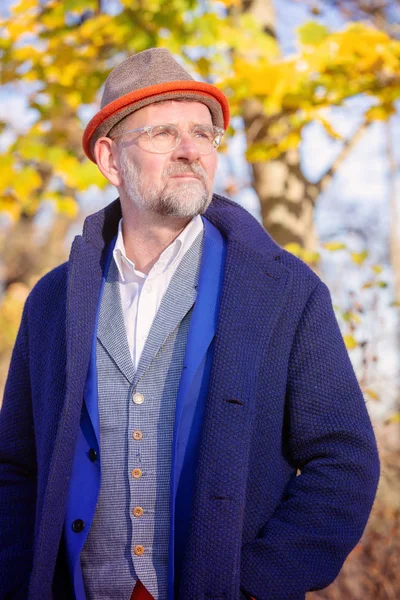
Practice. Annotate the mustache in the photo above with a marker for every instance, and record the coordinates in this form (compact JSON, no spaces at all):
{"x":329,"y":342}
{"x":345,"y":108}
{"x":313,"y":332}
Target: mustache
{"x":193,"y":168}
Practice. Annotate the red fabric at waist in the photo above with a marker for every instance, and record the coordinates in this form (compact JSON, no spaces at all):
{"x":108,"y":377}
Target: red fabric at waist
{"x":140,"y":592}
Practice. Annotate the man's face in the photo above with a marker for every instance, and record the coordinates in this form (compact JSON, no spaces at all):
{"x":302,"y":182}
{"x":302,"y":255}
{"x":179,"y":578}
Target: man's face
{"x":178,"y":183}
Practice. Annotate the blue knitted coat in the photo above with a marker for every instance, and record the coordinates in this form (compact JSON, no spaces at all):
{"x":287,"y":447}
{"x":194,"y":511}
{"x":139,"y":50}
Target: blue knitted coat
{"x":287,"y":468}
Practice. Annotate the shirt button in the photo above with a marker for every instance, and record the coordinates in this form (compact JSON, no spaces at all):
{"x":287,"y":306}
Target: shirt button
{"x":137,"y":473}
{"x":78,"y":526}
{"x":138,"y":511}
{"x":138,"y":398}
{"x":137,"y":435}
{"x":138,"y":550}
{"x":149,"y":288}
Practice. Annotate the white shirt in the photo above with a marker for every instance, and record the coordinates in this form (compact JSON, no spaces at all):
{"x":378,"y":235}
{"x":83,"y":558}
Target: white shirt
{"x":141,"y":294}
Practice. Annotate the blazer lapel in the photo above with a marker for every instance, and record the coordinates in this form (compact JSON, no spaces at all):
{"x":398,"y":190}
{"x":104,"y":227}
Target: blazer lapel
{"x":111,"y":328}
{"x":205,"y":314}
{"x":177,"y":301}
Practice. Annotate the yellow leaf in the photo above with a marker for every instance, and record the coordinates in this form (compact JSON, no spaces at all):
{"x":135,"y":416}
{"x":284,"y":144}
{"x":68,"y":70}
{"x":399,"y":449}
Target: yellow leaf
{"x":229,"y":3}
{"x":7,"y":172}
{"x":10,"y":205}
{"x":380,"y":113}
{"x":351,"y":316}
{"x":394,"y":418}
{"x":74,"y":99}
{"x":67,"y":206}
{"x":350,"y":342}
{"x":333,"y":246}
{"x":372,"y":394}
{"x":23,"y":6}
{"x":377,"y":269}
{"x":294,"y":248}
{"x":54,"y":17}
{"x":359,"y":257}
{"x":310,"y":257}
{"x":27,"y":181}
{"x":329,"y":129}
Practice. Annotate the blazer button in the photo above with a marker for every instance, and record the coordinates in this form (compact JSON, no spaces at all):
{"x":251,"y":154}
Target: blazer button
{"x":78,"y":526}
{"x":138,"y":550}
{"x":138,"y":398}
{"x":92,"y":454}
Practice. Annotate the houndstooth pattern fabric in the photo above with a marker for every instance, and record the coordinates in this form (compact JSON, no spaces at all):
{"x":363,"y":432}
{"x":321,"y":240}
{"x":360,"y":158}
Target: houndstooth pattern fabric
{"x":109,"y":562}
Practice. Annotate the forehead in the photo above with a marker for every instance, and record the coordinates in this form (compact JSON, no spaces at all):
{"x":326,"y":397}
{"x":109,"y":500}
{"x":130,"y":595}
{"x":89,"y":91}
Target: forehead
{"x":170,"y":111}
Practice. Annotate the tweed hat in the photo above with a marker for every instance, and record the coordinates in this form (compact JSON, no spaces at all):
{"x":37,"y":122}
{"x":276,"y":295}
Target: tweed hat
{"x":144,"y":78}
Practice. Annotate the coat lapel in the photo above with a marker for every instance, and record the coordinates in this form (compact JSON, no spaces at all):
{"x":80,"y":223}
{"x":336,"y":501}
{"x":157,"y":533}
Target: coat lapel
{"x":111,"y":329}
{"x":191,"y":393}
{"x":252,"y":297}
{"x":82,"y":300}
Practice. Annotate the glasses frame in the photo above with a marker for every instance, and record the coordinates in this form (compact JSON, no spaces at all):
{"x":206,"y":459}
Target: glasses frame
{"x":149,"y":129}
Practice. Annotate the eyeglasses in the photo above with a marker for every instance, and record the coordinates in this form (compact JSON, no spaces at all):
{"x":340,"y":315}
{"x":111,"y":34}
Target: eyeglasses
{"x":160,"y":139}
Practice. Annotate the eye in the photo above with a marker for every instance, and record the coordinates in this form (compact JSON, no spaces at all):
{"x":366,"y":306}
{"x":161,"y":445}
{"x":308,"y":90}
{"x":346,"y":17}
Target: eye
{"x":163,"y":131}
{"x":203,"y":133}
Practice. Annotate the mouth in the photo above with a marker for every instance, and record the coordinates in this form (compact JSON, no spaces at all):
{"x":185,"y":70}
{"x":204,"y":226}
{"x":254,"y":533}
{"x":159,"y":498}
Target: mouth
{"x":185,"y":176}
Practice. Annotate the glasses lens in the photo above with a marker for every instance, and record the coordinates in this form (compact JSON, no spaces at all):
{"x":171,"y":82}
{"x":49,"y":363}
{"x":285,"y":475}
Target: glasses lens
{"x":205,"y":138}
{"x":164,"y":137}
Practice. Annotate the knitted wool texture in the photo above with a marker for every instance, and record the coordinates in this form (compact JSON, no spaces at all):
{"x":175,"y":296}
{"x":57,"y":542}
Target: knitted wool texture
{"x":283,"y":396}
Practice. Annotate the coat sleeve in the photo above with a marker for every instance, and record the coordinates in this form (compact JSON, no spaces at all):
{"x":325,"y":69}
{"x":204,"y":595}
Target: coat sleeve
{"x":17,"y":473}
{"x":326,"y":507}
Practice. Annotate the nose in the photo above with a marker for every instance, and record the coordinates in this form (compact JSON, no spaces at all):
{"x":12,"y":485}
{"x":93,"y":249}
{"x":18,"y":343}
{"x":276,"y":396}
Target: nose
{"x":186,"y":149}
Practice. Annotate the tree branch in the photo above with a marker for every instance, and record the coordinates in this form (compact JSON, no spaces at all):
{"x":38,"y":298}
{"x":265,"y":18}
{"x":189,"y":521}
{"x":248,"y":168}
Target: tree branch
{"x":348,"y":146}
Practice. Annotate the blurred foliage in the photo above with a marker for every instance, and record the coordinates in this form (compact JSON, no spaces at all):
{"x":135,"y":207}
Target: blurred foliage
{"x":62,"y":51}
{"x":329,"y":68}
{"x":59,"y":53}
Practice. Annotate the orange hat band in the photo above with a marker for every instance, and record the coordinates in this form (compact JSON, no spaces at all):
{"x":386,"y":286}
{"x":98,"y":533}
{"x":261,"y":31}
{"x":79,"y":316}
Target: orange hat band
{"x":112,"y":113}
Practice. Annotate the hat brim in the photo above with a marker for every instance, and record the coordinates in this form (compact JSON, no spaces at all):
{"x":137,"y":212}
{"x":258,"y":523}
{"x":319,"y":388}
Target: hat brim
{"x":103,"y":121}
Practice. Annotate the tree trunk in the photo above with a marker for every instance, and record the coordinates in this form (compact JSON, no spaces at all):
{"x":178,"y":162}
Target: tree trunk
{"x":287,"y":199}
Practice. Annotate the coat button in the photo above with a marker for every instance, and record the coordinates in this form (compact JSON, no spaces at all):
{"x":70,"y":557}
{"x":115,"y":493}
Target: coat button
{"x":136,"y":473}
{"x":78,"y":526}
{"x":138,"y":550}
{"x":138,"y":511}
{"x":92,"y":454}
{"x":138,"y":398}
{"x":137,"y":435}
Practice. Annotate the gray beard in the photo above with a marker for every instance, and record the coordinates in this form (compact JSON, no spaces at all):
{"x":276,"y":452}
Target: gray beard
{"x":184,"y":201}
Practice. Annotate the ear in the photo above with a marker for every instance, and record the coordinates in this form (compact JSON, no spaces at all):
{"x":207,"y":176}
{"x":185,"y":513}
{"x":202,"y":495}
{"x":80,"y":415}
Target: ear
{"x":106,"y":155}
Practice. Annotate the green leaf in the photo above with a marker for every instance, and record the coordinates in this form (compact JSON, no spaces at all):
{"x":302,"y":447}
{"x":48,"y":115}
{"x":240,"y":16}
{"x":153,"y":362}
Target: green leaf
{"x":312,"y":34}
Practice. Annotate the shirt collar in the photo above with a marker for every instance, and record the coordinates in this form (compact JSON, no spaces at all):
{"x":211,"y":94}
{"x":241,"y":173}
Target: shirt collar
{"x":168,"y":257}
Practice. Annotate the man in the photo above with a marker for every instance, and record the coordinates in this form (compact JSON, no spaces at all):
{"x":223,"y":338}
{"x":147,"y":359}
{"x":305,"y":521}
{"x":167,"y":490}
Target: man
{"x":181,"y":419}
